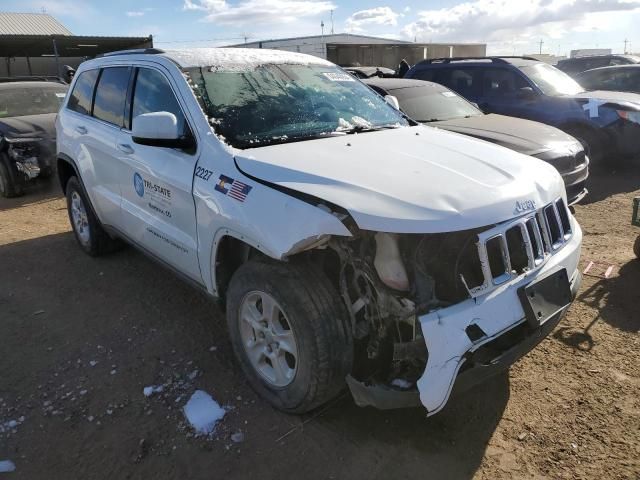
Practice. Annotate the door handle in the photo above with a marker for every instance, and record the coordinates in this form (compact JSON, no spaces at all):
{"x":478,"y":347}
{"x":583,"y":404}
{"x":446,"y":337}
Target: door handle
{"x":81,"y":130}
{"x":125,"y":148}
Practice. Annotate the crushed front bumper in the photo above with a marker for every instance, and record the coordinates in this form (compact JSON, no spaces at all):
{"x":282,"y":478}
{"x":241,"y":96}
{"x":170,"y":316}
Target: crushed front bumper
{"x":455,"y":361}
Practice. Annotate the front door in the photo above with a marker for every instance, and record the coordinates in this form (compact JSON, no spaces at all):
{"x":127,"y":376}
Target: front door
{"x":157,"y":203}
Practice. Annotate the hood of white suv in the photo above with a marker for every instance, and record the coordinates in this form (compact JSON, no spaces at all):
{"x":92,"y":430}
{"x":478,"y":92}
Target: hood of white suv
{"x":409,"y":180}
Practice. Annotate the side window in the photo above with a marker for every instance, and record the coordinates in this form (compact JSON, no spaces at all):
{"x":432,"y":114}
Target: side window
{"x":427,"y":75}
{"x":499,"y":82}
{"x":82,"y":94}
{"x":463,"y":80}
{"x":154,"y":94}
{"x":111,"y":95}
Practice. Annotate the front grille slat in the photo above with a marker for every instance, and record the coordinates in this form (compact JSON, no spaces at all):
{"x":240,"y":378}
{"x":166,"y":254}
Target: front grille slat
{"x":540,"y":233}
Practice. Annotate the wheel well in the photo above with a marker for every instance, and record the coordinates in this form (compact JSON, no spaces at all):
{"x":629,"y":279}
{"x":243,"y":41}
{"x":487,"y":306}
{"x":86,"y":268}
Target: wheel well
{"x":231,"y":253}
{"x":65,"y":172}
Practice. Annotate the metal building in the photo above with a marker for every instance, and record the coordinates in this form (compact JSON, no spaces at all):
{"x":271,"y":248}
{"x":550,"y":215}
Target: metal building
{"x":352,"y":50}
{"x":37,"y":44}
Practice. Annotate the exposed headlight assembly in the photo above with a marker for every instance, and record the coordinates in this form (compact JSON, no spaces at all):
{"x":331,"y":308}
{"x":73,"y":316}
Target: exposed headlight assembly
{"x":25,"y":155}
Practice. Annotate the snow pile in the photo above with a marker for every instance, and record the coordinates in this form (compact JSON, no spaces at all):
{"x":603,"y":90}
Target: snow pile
{"x":401,"y":383}
{"x":7,"y":466}
{"x":148,"y":391}
{"x":203,"y":412}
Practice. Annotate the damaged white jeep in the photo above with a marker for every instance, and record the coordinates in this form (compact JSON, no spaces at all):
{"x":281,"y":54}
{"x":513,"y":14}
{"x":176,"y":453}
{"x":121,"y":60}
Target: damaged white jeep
{"x":349,"y":244}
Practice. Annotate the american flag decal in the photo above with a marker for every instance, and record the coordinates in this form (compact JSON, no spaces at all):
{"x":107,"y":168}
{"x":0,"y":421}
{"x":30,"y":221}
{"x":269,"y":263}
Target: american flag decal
{"x":233,"y":188}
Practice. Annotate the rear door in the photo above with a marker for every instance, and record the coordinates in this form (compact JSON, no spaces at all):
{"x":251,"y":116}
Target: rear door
{"x":95,"y":112}
{"x":157,"y":203}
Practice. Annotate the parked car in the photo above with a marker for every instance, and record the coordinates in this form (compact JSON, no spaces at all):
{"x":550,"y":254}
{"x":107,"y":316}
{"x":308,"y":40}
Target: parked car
{"x":437,"y":106}
{"x":625,"y":78}
{"x":604,"y":122}
{"x":369,"y":72}
{"x":27,"y":132}
{"x":573,"y":66}
{"x":349,"y":243}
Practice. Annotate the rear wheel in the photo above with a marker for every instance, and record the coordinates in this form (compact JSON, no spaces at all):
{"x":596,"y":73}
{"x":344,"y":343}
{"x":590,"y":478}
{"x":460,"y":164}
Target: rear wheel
{"x":289,"y":330}
{"x":86,"y":227}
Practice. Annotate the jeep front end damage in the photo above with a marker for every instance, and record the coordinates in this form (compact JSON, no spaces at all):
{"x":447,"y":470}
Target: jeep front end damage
{"x":431,"y":310}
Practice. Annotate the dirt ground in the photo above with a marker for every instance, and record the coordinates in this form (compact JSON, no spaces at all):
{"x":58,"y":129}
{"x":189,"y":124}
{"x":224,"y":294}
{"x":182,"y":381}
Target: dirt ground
{"x":81,"y":337}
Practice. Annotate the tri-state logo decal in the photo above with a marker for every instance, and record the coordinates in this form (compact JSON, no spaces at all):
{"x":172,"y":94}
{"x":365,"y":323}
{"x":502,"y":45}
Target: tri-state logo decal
{"x":138,"y":184}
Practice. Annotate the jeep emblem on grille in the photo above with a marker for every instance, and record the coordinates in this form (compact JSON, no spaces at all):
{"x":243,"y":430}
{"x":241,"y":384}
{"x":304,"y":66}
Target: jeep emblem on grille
{"x":525,"y":206}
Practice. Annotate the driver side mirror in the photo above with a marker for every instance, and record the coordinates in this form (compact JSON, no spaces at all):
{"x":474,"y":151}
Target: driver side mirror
{"x":158,"y":129}
{"x":526,"y":93}
{"x":393,"y":101}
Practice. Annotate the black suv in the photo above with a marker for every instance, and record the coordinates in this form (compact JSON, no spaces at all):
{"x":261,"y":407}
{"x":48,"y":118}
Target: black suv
{"x":604,"y":122}
{"x":573,"y":66}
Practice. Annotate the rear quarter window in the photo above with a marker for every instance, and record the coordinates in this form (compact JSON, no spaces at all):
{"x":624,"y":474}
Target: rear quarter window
{"x":82,"y":94}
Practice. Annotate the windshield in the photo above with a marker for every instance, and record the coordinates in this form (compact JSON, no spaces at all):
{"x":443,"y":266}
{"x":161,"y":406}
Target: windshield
{"x":428,"y":104}
{"x":261,"y":105}
{"x":551,"y":80}
{"x":21,"y":101}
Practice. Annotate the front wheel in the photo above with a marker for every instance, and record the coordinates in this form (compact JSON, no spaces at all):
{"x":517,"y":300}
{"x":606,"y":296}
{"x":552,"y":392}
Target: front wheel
{"x":10,"y":185}
{"x":290,"y":332}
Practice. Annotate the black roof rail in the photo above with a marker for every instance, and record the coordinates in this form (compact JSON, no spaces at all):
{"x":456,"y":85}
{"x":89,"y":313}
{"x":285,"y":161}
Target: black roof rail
{"x":133,"y":51}
{"x":501,"y":59}
{"x":32,"y":78}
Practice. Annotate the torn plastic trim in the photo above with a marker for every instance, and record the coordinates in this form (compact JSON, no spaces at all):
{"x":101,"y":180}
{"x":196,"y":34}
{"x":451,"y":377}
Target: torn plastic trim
{"x":339,"y":212}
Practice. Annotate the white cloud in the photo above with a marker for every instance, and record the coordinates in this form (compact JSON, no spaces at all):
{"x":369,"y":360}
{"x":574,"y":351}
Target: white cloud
{"x":135,"y":14}
{"x":487,"y":20}
{"x":258,"y":11}
{"x":372,"y":16}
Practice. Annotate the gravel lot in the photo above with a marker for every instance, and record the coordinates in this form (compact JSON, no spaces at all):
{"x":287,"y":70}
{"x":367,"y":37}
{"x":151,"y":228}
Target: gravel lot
{"x":80,"y":338}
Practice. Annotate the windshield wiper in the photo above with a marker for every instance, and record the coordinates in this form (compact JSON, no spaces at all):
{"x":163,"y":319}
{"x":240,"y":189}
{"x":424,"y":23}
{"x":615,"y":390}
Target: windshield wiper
{"x":367,"y":128}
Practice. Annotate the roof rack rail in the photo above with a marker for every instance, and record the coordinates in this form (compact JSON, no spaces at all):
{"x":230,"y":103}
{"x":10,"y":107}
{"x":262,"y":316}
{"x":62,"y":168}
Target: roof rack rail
{"x":133,"y":51}
{"x":500,"y":59}
{"x":32,"y":78}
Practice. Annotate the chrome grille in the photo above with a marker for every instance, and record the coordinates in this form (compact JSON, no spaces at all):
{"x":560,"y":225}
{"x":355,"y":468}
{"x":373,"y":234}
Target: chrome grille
{"x":514,"y":248}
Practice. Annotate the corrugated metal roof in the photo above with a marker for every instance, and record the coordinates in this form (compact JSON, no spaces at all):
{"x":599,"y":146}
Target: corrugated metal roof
{"x":30,"y":24}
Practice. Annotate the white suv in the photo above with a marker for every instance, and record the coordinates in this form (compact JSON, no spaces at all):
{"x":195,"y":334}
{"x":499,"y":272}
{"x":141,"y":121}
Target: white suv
{"x":349,"y":243}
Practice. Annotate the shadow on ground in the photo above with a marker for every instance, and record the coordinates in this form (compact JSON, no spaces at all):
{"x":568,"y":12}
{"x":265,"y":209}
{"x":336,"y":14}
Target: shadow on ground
{"x":36,"y":192}
{"x":58,"y":304}
{"x":606,"y":181}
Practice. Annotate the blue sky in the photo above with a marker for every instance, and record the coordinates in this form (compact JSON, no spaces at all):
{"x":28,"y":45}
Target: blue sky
{"x":507,"y":26}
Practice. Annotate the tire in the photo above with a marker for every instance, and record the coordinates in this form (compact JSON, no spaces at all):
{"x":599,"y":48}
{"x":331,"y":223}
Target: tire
{"x":636,"y":247}
{"x":86,"y":227}
{"x":9,"y":184}
{"x":317,"y":322}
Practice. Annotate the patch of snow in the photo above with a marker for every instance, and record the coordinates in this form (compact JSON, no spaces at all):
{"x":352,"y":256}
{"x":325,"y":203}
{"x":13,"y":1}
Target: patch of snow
{"x":401,"y":383}
{"x":203,"y":412}
{"x":93,"y":363}
{"x":236,"y":58}
{"x":7,"y":466}
{"x":148,"y":391}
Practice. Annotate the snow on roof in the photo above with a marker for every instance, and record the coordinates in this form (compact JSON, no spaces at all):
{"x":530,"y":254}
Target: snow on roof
{"x":212,"y":57}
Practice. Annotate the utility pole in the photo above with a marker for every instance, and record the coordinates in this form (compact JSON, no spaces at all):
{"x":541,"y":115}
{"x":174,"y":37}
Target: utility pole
{"x":626,"y":42}
{"x":331,"y":22}
{"x":541,"y":43}
{"x":322,"y":26}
